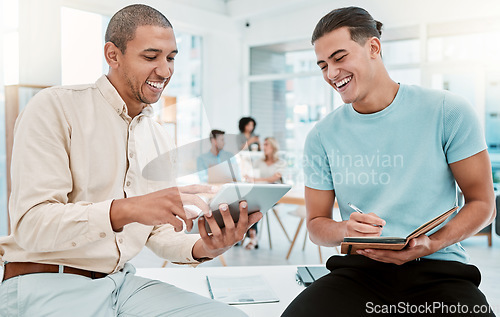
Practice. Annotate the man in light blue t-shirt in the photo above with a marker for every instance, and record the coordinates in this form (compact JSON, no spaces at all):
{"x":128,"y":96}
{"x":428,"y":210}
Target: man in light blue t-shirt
{"x":397,"y":152}
{"x":228,"y":171}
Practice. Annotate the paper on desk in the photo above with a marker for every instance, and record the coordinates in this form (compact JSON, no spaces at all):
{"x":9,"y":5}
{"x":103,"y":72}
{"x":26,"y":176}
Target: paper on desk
{"x":235,"y":290}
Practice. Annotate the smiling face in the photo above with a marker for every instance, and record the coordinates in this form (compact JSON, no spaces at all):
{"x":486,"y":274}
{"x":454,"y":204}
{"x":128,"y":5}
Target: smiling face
{"x":346,"y":65}
{"x":142,"y":72}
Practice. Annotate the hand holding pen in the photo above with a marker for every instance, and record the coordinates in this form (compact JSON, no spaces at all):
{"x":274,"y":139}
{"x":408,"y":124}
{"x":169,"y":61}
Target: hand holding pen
{"x":363,"y":224}
{"x":361,"y":212}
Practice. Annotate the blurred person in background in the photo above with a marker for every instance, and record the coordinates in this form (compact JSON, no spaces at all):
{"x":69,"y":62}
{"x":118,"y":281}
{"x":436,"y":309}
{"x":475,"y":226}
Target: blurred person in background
{"x":247,"y":139}
{"x":269,"y":169}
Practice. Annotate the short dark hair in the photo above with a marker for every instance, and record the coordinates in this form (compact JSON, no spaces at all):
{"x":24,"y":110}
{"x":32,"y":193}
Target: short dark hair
{"x":215,"y":133}
{"x":243,"y":123}
{"x":123,"y":24}
{"x":360,"y":23}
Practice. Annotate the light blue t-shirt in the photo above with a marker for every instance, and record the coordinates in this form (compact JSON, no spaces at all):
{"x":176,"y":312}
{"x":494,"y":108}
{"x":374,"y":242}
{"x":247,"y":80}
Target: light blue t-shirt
{"x":208,"y":159}
{"x":395,"y":162}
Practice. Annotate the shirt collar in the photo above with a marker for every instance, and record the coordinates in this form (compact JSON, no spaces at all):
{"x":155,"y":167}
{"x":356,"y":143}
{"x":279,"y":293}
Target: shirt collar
{"x":114,"y":99}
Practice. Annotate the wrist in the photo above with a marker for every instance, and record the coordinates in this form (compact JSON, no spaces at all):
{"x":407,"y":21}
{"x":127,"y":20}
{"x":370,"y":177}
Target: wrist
{"x":200,"y":253}
{"x":118,"y":214}
{"x":435,"y":244}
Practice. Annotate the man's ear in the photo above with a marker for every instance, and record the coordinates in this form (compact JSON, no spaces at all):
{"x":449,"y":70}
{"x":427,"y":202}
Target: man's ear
{"x":111,"y":54}
{"x":375,"y":46}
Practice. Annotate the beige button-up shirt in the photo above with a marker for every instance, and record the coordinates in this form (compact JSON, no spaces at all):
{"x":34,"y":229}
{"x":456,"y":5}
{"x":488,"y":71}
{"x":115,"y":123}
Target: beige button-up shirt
{"x":75,"y":150}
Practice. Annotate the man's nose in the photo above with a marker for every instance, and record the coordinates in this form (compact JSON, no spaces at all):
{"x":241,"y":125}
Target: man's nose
{"x":165,"y":69}
{"x":332,"y":73}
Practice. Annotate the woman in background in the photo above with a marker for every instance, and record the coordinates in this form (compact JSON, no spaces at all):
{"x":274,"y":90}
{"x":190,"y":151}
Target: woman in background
{"x":247,"y":126}
{"x":270,"y":167}
{"x":270,"y":170}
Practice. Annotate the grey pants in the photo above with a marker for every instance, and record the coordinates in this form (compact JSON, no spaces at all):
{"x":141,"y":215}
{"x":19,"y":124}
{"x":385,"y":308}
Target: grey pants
{"x":119,"y":294}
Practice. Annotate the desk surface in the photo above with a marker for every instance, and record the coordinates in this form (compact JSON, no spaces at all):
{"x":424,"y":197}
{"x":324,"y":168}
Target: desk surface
{"x":281,"y":278}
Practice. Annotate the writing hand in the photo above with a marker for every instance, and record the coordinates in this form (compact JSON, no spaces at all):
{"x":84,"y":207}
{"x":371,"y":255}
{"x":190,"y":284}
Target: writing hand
{"x":364,"y":225}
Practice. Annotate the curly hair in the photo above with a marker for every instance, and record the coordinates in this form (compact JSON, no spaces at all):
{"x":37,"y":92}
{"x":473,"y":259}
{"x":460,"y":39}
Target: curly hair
{"x":243,"y":123}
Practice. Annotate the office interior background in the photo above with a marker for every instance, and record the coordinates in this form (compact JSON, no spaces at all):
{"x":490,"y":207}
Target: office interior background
{"x":254,"y":57}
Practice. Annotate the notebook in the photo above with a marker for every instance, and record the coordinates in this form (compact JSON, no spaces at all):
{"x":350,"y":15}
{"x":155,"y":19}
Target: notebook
{"x":237,"y":290}
{"x":351,"y":244}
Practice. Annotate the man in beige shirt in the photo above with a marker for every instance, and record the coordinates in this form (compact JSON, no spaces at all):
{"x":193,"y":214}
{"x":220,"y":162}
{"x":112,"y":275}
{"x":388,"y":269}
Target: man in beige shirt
{"x":80,"y":207}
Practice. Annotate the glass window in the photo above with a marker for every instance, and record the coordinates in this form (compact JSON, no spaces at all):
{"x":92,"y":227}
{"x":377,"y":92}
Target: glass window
{"x":492,"y":109}
{"x":186,"y":87}
{"x":473,"y":47}
{"x":408,"y":76}
{"x":401,"y":52}
{"x":287,"y":110}
{"x":269,"y":61}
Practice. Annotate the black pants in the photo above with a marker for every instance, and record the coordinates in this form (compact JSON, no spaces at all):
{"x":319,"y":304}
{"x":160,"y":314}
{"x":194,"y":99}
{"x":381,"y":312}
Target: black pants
{"x":359,"y":286}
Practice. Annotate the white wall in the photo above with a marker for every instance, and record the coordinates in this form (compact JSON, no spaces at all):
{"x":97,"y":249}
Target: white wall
{"x":39,"y":42}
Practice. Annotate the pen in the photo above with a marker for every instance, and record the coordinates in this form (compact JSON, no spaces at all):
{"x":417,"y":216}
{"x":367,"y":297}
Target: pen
{"x":360,"y":211}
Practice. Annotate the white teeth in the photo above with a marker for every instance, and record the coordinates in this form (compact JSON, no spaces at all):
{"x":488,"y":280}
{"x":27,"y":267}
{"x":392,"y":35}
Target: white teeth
{"x":158,"y":85}
{"x":343,"y":82}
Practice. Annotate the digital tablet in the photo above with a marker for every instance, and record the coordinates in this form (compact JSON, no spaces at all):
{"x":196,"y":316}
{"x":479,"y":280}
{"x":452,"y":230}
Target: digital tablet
{"x":259,"y":197}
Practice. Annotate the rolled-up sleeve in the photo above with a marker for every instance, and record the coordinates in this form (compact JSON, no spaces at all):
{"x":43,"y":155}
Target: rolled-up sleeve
{"x":177,"y":247}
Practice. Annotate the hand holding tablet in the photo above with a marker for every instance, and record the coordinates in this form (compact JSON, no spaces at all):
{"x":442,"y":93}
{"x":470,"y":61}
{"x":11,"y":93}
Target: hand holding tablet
{"x":259,"y":197}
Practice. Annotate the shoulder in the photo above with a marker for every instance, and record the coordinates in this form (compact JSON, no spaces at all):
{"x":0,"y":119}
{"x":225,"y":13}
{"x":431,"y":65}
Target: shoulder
{"x":204,"y":156}
{"x":58,"y":97}
{"x":224,"y":153}
{"x":427,"y":97}
{"x":328,"y":125}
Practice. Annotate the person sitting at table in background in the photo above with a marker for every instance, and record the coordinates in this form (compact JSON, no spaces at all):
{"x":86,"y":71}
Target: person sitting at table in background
{"x":247,"y":137}
{"x":269,"y":169}
{"x":216,"y":155}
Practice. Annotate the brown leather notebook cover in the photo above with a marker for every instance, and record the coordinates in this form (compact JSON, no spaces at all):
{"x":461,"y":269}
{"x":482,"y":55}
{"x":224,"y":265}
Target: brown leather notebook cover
{"x":351,"y":244}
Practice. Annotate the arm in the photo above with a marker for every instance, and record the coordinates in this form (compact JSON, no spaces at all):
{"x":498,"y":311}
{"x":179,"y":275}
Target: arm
{"x":473,"y":175}
{"x":160,"y":207}
{"x":325,"y":231}
{"x":42,"y":217}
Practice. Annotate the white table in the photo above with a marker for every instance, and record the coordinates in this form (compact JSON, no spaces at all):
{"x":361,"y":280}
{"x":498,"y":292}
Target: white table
{"x":281,"y":278}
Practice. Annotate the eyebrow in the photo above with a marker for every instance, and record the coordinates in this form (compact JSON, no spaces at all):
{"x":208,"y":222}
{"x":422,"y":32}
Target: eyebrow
{"x":155,"y":50}
{"x":332,"y":55}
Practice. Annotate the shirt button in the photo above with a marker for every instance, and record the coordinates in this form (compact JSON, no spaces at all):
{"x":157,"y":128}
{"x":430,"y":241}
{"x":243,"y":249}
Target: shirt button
{"x":118,"y":111}
{"x":102,"y":235}
{"x":73,"y":244}
{"x":120,"y":240}
{"x":131,"y":155}
{"x":128,"y":183}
